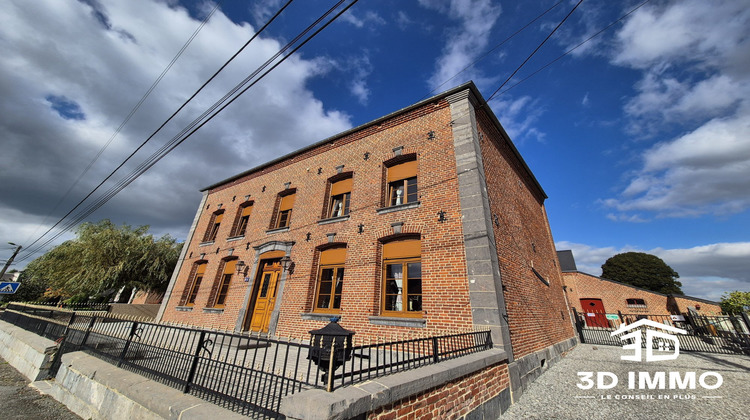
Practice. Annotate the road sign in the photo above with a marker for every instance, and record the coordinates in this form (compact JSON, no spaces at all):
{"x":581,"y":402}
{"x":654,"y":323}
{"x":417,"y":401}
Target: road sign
{"x":8,"y":287}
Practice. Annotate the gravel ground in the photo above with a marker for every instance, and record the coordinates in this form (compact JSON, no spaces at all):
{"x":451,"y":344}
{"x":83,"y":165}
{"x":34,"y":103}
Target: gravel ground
{"x":555,"y":394}
{"x":19,"y":401}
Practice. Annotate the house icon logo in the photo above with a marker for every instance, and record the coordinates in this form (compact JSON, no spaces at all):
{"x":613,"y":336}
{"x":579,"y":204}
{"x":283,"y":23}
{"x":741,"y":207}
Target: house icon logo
{"x":664,"y":341}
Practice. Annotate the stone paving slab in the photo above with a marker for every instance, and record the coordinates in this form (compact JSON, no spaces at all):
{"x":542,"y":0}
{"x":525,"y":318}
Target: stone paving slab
{"x":555,"y":394}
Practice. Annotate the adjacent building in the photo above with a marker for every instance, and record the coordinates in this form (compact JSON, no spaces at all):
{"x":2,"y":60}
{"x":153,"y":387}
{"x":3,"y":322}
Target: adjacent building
{"x":425,"y":221}
{"x":591,"y":294}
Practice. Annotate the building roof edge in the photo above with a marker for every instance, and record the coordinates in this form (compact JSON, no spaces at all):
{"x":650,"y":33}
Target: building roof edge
{"x":645,"y":290}
{"x":468,"y":85}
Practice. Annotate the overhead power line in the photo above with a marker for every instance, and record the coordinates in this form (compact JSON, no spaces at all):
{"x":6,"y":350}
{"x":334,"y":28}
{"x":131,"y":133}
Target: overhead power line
{"x":195,"y":126}
{"x":535,"y":50}
{"x":31,"y":250}
{"x":498,"y":45}
{"x":597,"y":33}
{"x":128,"y":117}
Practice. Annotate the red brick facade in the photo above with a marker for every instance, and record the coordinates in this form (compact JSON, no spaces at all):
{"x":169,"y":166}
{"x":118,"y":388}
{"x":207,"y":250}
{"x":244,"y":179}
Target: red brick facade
{"x":537,"y":312}
{"x":453,"y":400}
{"x":614,"y":297}
{"x":454,"y":297}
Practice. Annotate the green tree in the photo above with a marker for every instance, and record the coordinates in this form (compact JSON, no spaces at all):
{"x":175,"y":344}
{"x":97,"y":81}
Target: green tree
{"x":735,"y":302}
{"x":642,"y":270}
{"x":103,"y":258}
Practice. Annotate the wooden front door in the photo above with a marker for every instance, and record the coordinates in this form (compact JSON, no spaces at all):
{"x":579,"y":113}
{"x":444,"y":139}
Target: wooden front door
{"x":593,"y":311}
{"x":266,"y":297}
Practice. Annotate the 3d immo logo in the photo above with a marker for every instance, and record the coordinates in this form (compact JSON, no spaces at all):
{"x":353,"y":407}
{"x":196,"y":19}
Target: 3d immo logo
{"x":650,"y":380}
{"x":662,"y":344}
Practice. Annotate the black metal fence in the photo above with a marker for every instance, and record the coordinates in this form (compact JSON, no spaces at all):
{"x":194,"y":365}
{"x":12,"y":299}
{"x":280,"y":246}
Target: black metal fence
{"x":98,"y":307}
{"x":380,"y":359}
{"x":728,"y":334}
{"x":246,"y":374}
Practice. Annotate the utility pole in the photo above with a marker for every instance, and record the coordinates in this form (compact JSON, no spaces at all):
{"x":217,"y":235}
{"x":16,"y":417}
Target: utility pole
{"x":10,"y":260}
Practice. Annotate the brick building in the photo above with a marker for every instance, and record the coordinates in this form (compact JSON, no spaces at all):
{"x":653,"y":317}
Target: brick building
{"x":589,"y":293}
{"x":425,"y":221}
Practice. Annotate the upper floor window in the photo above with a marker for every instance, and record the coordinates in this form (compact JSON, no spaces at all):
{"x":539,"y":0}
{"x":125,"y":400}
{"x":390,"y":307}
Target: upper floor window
{"x":213,"y":226}
{"x":402,"y":278}
{"x":194,"y":285}
{"x":283,"y":214}
{"x":402,"y":183}
{"x":339,"y":202}
{"x":224,"y":281}
{"x":243,"y":215}
{"x":330,"y":280}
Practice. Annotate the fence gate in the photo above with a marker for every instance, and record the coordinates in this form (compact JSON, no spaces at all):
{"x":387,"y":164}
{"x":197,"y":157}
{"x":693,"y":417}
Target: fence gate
{"x":728,"y":334}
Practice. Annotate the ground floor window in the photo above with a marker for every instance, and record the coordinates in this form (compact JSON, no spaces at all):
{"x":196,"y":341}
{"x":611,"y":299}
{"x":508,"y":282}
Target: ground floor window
{"x":330,"y":280}
{"x":402,"y":278}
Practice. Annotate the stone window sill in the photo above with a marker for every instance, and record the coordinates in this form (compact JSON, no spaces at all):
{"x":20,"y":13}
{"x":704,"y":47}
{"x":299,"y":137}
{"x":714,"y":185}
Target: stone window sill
{"x":391,"y":209}
{"x":277,"y":230}
{"x":318,"y":316}
{"x":235,"y":238}
{"x":333,"y":220}
{"x":207,"y":243}
{"x":184,"y":308}
{"x":393,"y":321}
{"x":213,"y":310}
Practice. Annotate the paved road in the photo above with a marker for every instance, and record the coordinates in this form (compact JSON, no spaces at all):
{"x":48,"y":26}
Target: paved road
{"x":18,"y":401}
{"x":555,"y":394}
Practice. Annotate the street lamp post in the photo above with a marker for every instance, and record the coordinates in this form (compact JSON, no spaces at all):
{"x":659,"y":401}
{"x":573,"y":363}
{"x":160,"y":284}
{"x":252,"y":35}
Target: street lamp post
{"x":10,"y":260}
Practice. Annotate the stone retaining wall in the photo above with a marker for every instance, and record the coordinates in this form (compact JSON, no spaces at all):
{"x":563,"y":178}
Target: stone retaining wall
{"x":29,"y":353}
{"x":95,"y":389}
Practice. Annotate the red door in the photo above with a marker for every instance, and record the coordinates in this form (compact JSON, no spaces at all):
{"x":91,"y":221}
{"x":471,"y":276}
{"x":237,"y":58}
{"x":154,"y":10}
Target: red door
{"x":593,"y":311}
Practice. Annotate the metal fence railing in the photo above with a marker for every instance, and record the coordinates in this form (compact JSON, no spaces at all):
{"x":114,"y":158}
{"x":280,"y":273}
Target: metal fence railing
{"x":247,"y":374}
{"x":728,"y":334}
{"x":379,"y":359}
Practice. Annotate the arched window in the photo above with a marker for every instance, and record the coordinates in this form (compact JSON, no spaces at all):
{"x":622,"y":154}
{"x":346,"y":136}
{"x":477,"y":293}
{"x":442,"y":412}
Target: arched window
{"x":283,"y":214}
{"x":213,"y":226}
{"x":222,"y":289}
{"x":196,"y":284}
{"x":402,"y":278}
{"x":243,"y":218}
{"x":330,"y":280}
{"x":402,"y":183}
{"x":339,"y":202}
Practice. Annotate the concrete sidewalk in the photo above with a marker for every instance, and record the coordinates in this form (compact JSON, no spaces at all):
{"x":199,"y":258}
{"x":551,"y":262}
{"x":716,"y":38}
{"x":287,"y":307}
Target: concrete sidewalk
{"x":555,"y":394}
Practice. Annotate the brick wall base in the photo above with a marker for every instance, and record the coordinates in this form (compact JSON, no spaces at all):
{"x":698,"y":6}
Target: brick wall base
{"x":484,"y":394}
{"x":475,"y":386}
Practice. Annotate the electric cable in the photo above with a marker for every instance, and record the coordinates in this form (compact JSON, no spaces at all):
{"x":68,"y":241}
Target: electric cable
{"x":599,"y":32}
{"x":184,"y":104}
{"x":177,"y":141}
{"x":483,"y":56}
{"x":535,"y":50}
{"x":128,"y":117}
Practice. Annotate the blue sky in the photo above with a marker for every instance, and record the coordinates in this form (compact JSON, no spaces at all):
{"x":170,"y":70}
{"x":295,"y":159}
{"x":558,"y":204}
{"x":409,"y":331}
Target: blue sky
{"x":640,"y":136}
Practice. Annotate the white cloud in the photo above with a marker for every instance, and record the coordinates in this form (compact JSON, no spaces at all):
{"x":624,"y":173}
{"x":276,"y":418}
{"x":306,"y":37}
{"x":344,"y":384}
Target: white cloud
{"x":693,"y":81}
{"x":463,"y":44}
{"x":701,"y":172}
{"x":403,"y":20}
{"x":103,"y":60}
{"x":519,"y":117}
{"x":706,"y":271}
{"x":370,"y":19}
{"x":682,"y":31}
